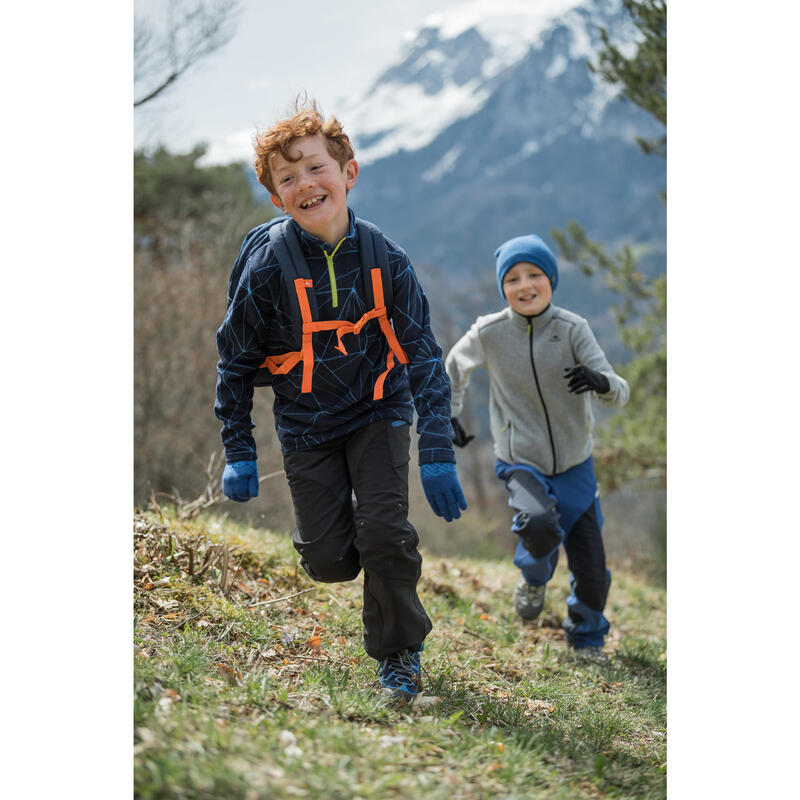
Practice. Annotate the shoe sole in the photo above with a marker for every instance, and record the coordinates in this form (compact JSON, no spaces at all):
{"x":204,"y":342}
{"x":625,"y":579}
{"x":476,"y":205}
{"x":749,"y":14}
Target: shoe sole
{"x":397,"y":696}
{"x":527,"y":615}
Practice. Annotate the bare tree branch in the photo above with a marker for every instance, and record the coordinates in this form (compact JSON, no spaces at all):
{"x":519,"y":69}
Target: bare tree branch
{"x":212,"y":494}
{"x":194,"y":30}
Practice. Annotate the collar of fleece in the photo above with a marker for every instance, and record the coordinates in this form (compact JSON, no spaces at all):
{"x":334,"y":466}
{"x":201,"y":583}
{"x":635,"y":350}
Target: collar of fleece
{"x":538,"y":322}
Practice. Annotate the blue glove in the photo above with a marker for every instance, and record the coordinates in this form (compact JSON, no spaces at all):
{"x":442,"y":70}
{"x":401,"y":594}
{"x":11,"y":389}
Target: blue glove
{"x":442,"y":489}
{"x":240,"y":481}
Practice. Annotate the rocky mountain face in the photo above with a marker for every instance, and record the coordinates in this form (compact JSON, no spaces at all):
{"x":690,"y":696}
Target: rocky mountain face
{"x":492,"y":125}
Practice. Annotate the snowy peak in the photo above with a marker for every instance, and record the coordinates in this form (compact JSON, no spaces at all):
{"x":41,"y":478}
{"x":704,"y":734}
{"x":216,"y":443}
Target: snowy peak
{"x":434,"y":63}
{"x":454,"y":64}
{"x":511,"y":27}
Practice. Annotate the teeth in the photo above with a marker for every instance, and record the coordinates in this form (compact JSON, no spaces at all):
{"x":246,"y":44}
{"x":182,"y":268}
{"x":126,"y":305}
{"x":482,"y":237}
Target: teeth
{"x":307,"y":203}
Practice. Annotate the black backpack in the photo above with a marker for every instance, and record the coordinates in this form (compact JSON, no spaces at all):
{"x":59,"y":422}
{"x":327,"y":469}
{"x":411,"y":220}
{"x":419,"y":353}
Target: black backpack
{"x":286,"y":244}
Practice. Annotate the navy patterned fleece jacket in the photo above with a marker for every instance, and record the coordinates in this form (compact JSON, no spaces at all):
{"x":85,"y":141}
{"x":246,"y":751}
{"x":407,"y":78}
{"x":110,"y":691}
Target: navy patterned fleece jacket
{"x":258,"y":323}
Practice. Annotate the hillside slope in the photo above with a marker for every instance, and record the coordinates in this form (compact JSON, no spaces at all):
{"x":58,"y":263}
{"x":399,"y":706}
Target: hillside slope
{"x":251,"y":682}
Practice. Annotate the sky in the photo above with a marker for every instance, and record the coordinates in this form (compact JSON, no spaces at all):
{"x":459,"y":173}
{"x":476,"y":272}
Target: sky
{"x":332,"y":50}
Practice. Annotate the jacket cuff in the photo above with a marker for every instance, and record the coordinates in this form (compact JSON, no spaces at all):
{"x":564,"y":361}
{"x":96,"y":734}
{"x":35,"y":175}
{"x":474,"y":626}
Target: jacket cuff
{"x":231,"y":457}
{"x":437,"y":455}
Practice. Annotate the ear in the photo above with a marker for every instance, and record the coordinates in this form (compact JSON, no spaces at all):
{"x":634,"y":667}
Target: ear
{"x":351,"y":173}
{"x":276,"y":201}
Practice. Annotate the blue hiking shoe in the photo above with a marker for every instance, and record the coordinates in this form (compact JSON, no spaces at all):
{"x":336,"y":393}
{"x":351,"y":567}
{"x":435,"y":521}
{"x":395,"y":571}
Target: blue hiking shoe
{"x":401,"y":675}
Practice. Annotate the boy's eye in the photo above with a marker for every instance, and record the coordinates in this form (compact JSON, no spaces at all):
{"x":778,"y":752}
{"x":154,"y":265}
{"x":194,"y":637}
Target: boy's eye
{"x":287,"y":178}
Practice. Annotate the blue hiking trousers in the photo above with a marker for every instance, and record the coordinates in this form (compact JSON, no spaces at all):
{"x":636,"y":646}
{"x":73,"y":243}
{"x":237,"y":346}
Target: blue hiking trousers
{"x":550,"y":510}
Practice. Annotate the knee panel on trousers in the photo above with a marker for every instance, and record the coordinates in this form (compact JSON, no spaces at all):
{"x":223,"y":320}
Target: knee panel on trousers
{"x":388,"y":550}
{"x":332,"y":572}
{"x":539,"y":532}
{"x":329,"y":561}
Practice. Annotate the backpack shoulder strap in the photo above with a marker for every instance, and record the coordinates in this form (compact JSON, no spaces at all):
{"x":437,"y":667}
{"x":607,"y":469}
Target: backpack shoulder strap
{"x":280,"y":232}
{"x":372,"y":245}
{"x":254,"y":239}
{"x":293,"y":265}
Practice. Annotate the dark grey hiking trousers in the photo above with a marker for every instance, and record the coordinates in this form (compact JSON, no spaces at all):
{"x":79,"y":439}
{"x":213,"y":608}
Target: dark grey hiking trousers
{"x":336,"y":538}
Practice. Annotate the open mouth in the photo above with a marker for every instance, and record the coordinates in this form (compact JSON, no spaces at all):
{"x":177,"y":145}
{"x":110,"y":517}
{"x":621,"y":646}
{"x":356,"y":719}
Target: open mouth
{"x":312,"y":202}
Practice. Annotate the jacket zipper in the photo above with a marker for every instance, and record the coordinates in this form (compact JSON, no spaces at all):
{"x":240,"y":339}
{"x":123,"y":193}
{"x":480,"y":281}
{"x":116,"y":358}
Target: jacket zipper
{"x":539,"y":389}
{"x":332,"y":274}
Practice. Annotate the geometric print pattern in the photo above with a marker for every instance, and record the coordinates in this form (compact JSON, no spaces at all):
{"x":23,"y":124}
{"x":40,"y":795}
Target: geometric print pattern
{"x":258,"y":323}
{"x":436,"y":470}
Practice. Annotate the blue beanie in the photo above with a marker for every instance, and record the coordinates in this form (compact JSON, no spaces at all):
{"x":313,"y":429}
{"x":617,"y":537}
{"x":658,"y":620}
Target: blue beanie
{"x":525,"y":248}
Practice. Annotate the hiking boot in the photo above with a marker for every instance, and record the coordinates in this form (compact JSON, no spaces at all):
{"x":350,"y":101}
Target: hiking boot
{"x":400,"y":675}
{"x":594,"y":655}
{"x":528,"y":600}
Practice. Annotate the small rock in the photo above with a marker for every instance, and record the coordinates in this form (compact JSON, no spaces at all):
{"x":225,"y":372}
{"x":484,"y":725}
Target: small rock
{"x":286,"y":738}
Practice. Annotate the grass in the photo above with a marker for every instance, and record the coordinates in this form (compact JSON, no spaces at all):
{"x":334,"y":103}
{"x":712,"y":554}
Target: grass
{"x":237,"y":700}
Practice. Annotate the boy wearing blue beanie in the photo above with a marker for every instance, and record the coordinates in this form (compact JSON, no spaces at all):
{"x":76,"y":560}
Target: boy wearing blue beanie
{"x":544,"y":366}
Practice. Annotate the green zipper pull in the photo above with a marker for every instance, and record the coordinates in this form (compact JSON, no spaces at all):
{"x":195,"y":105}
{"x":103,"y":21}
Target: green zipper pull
{"x":332,"y":274}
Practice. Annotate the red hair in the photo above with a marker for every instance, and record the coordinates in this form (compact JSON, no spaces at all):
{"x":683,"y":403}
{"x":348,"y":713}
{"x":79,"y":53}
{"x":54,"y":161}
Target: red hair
{"x":307,"y":121}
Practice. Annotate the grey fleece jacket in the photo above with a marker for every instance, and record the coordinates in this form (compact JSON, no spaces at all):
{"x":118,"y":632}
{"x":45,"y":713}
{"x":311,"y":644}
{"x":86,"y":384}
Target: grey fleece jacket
{"x":534,"y":418}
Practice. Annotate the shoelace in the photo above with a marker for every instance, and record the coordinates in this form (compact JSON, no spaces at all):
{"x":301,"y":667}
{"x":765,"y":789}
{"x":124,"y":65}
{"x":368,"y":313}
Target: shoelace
{"x":399,"y":669}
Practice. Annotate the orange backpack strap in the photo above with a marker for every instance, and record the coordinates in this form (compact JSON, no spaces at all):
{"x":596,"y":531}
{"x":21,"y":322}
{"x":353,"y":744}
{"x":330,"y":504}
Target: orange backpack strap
{"x":374,"y":253}
{"x":307,"y":346}
{"x":373,"y":247}
{"x":386,"y":326}
{"x":377,"y":392}
{"x":281,"y":364}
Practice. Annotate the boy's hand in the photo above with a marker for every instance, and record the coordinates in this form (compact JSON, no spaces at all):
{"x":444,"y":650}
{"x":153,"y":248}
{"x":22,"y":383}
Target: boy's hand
{"x":460,"y":438}
{"x":583,"y":379}
{"x":240,"y":481}
{"x":440,"y":482}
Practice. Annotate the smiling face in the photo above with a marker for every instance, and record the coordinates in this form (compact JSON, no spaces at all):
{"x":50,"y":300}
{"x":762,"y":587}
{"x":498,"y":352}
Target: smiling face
{"x":527,"y":289}
{"x":313,"y":189}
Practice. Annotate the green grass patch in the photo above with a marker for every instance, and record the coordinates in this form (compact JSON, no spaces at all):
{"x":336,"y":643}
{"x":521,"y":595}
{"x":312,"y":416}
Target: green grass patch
{"x":251,"y":682}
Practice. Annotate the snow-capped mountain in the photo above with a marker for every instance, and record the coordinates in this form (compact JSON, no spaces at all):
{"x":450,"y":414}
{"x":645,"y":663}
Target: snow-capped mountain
{"x":446,"y":73}
{"x":491,"y":125}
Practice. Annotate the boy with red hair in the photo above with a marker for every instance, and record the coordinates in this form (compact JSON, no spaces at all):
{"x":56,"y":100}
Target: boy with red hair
{"x":344,"y":401}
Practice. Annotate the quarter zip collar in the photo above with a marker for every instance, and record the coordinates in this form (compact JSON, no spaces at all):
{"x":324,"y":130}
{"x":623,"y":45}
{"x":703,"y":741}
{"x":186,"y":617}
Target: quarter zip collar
{"x":537,"y":322}
{"x":312,"y":245}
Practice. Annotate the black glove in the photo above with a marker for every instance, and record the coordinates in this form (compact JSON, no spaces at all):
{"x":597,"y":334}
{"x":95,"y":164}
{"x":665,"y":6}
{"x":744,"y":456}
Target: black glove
{"x":460,"y":438}
{"x":583,"y":379}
